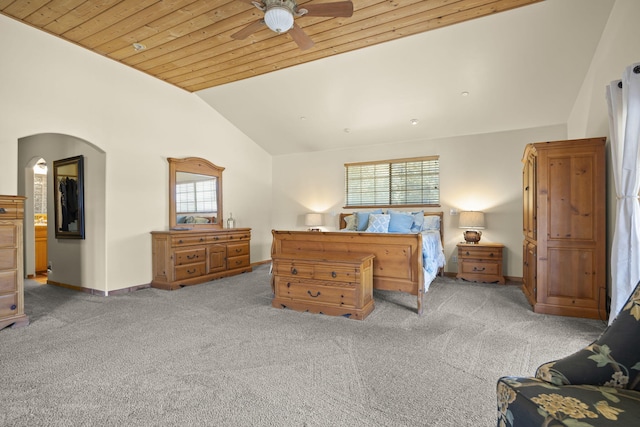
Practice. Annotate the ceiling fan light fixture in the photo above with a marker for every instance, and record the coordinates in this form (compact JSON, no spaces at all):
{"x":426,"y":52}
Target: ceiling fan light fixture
{"x":278,"y":19}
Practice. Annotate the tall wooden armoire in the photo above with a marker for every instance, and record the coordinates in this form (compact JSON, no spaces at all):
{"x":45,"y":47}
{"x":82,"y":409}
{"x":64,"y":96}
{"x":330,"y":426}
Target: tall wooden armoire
{"x":564,"y":225}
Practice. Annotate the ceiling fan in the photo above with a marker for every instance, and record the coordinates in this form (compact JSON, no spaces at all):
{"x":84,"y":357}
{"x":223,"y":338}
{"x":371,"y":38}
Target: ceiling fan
{"x":279,"y":17}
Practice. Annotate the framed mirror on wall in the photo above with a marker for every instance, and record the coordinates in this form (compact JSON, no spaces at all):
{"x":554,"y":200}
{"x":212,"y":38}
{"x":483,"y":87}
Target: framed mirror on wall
{"x":68,"y":183}
{"x":195,"y":194}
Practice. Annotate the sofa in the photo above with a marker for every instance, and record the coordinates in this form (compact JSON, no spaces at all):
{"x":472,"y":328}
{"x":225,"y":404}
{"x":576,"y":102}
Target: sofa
{"x":596,"y":386}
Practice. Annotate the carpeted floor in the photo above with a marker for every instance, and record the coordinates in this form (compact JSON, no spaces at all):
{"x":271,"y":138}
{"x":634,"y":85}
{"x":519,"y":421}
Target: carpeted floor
{"x":218,"y":354}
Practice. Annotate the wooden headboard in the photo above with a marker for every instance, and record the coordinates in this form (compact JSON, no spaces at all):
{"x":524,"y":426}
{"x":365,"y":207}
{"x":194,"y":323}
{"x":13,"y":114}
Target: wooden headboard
{"x":342,"y":223}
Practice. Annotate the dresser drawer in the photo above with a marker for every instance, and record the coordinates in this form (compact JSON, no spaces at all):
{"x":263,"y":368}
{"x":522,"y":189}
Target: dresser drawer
{"x":8,"y":259}
{"x":8,"y":305}
{"x":188,"y":240}
{"x":10,"y":210}
{"x":190,"y":256}
{"x":8,"y":235}
{"x":480,"y":253}
{"x":301,"y":290}
{"x":218,"y":238}
{"x":238,"y":261}
{"x":190,"y":270}
{"x":479,"y":267}
{"x":237,"y":249}
{"x":8,"y":281}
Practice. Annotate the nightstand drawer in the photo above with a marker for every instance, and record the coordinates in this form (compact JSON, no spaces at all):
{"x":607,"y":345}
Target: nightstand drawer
{"x":315,"y":292}
{"x":478,"y":267}
{"x":481,"y":253}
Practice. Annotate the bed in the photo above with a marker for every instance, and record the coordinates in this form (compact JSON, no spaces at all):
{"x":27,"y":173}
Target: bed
{"x":405,"y":262}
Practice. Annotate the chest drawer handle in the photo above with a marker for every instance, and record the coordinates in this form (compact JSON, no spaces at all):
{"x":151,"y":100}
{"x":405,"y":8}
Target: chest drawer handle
{"x":294,"y":271}
{"x":180,"y":241}
{"x":238,"y":250}
{"x":312,"y":295}
{"x":192,"y":256}
{"x":334,"y":274}
{"x":491,"y":254}
{"x":478,"y":269}
{"x":467,"y":252}
{"x":192,"y":271}
{"x":3,"y":210}
{"x":13,"y":306}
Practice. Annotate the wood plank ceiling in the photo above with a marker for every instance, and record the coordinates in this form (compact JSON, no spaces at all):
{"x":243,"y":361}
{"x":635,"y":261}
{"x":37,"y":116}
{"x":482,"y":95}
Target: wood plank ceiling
{"x":188,"y":44}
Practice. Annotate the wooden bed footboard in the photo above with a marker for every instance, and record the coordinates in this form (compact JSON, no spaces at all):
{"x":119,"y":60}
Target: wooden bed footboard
{"x":397,"y":265}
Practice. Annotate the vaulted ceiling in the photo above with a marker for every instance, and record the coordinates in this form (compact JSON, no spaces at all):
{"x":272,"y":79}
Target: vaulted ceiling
{"x":188,"y":42}
{"x":367,"y":77}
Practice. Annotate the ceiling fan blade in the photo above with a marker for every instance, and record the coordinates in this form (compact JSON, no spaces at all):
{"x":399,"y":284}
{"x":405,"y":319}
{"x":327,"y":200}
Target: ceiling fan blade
{"x":247,"y":1}
{"x":301,"y":38}
{"x":342,"y":9}
{"x":248,"y":30}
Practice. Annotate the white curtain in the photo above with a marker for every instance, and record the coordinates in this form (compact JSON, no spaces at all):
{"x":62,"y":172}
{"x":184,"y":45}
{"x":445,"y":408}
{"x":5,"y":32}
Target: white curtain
{"x":623,"y":97}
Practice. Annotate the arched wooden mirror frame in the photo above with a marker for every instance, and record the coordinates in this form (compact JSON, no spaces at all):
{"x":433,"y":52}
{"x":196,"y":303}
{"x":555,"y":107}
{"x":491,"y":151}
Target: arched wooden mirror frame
{"x":197,"y":166}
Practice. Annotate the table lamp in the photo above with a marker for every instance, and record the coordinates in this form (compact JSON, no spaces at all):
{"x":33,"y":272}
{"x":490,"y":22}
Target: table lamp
{"x":473,"y":221}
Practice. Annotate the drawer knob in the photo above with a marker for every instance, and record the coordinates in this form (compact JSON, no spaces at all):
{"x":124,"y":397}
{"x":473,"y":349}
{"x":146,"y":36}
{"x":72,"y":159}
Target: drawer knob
{"x":180,"y":241}
{"x":13,"y":306}
{"x":334,"y":274}
{"x":312,"y":295}
{"x":491,"y":254}
{"x":467,"y":252}
{"x":294,"y":271}
{"x":3,"y":210}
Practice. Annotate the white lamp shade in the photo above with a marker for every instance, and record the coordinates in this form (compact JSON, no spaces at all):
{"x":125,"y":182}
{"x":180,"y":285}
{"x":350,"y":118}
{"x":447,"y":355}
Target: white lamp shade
{"x":313,"y":219}
{"x":278,"y":19}
{"x":472,"y":220}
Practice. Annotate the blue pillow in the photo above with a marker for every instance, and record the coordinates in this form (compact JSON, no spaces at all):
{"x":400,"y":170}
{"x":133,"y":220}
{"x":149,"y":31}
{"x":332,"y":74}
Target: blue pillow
{"x":400,"y":222}
{"x":378,"y":223}
{"x":363,"y":218}
{"x":418,"y":221}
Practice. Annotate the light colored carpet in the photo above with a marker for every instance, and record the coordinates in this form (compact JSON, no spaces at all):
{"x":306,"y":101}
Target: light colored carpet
{"x":218,"y":354}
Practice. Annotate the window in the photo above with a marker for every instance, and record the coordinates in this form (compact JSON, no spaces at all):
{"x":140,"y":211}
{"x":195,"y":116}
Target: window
{"x":196,"y":196}
{"x":402,"y":182}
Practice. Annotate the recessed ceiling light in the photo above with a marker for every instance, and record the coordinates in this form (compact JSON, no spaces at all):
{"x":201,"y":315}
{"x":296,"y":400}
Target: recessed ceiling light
{"x":303,"y":118}
{"x":347,"y":130}
{"x":465,"y":93}
{"x":139,"y":46}
{"x":414,"y":121}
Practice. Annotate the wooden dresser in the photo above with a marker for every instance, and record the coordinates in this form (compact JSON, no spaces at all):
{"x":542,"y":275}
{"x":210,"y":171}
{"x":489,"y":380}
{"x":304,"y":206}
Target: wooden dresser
{"x":332,"y":283}
{"x":11,"y":262}
{"x":189,"y":257}
{"x":564,"y":249}
{"x":480,"y":262}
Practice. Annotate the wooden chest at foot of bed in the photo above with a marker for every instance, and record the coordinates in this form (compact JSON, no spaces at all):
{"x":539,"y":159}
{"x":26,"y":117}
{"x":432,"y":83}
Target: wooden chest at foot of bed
{"x":336,"y":284}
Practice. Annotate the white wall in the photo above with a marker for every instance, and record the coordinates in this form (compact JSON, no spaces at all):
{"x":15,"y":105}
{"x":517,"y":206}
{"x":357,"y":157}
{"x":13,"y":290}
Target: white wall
{"x":52,"y":86}
{"x":618,"y":48}
{"x":482,"y":172}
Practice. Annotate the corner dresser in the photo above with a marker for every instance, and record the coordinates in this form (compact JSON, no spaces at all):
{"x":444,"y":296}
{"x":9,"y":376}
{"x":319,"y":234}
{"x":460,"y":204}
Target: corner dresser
{"x":564,"y":249}
{"x":188,"y":257}
{"x":11,"y":262}
{"x":480,"y":262}
{"x":332,"y":283}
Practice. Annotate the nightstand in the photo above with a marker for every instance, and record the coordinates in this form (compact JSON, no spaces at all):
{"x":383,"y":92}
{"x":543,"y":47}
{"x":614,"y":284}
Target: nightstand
{"x":480,"y":262}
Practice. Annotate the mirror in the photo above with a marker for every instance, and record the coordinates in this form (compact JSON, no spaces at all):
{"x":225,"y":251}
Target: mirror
{"x":195,"y":194}
{"x":68,"y":183}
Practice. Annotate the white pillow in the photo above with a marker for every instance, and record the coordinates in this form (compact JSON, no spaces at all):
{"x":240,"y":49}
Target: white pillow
{"x":378,"y":223}
{"x":431,"y":222}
